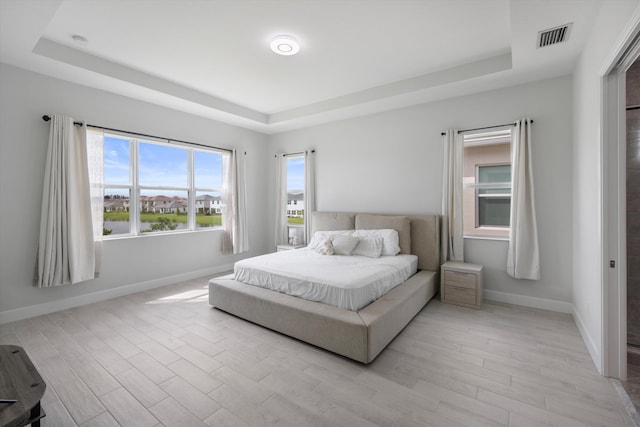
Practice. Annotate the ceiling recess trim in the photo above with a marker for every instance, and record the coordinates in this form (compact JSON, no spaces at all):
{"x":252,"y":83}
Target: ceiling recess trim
{"x":78,"y":58}
{"x":459,"y":73}
{"x":87,"y":61}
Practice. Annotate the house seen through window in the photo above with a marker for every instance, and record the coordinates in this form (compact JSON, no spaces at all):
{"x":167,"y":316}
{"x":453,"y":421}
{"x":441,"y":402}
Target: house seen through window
{"x":295,"y":199}
{"x":152,"y":187}
{"x":487,"y":184}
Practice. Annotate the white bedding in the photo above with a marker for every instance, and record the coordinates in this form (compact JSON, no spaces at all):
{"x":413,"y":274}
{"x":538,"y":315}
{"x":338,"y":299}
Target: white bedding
{"x":350,"y":282}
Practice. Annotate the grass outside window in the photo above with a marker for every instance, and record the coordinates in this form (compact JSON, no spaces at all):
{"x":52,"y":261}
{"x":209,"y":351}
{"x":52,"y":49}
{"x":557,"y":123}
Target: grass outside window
{"x":202,"y":220}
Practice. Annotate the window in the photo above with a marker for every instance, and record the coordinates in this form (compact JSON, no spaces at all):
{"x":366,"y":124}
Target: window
{"x":154,"y":187}
{"x":493,"y":196}
{"x":117,"y":185}
{"x":295,"y":198}
{"x":487,"y":184}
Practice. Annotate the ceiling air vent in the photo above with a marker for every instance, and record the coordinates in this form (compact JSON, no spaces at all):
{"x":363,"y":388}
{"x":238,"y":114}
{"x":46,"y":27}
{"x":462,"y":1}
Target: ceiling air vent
{"x":554,"y":35}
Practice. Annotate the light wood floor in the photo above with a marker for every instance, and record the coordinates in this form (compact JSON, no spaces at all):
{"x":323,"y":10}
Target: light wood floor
{"x":165,"y":357}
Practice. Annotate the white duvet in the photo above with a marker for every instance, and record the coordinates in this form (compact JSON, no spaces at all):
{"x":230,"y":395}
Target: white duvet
{"x":350,"y":282}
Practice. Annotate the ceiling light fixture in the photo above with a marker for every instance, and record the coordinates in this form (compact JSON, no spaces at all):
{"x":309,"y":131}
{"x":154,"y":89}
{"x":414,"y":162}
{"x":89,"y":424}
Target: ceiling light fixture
{"x":285,"y":45}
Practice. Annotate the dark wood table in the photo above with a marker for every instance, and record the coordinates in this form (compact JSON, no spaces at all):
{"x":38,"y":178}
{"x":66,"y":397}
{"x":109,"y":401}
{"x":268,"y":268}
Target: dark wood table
{"x":21,"y":388}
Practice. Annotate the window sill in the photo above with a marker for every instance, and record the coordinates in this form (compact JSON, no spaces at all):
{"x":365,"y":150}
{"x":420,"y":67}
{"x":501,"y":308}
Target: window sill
{"x":498,"y":238}
{"x":160,"y":233}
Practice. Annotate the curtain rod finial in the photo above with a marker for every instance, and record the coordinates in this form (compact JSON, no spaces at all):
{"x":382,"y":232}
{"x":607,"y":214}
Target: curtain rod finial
{"x":46,"y":118}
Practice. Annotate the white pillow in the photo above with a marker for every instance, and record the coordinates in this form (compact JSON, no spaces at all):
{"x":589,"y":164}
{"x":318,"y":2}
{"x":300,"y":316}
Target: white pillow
{"x":326,"y":247}
{"x":344,"y":245}
{"x":390,"y":239}
{"x":369,"y":246}
{"x":320,"y":236}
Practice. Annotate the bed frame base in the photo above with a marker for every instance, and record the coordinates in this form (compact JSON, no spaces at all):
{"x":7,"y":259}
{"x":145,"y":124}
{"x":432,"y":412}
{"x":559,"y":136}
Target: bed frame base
{"x":358,"y":335}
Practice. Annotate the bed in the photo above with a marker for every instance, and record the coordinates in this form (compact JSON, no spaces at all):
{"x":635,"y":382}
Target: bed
{"x":359,"y":334}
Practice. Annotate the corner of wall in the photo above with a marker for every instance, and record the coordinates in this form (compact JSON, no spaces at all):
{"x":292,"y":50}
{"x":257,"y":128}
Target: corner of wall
{"x":588,"y":341}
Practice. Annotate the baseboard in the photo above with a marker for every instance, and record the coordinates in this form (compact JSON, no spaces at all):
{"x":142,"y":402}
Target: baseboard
{"x":63,"y":304}
{"x":533,"y":302}
{"x":588,"y":341}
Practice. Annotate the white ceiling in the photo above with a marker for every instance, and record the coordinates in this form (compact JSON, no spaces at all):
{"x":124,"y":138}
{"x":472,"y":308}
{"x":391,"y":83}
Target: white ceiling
{"x":211,"y":57}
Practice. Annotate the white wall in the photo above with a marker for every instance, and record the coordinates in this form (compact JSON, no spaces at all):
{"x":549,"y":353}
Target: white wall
{"x":587,"y":180}
{"x":392,"y":163}
{"x":128,"y":264}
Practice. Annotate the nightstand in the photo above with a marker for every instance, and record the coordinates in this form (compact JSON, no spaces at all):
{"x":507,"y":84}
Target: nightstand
{"x":281,"y":248}
{"x":461,"y":284}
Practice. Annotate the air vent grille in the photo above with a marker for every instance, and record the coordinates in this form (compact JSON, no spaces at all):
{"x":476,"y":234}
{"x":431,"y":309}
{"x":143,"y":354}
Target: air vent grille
{"x":554,"y":35}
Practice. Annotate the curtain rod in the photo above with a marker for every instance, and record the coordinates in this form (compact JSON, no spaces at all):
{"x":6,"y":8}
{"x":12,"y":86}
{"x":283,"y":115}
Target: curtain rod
{"x":293,"y":154}
{"x":486,"y":127}
{"x":47,"y":118}
{"x":633,"y":107}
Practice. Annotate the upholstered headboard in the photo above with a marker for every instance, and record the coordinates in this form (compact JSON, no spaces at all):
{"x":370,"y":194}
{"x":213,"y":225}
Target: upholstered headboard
{"x":419,"y":234}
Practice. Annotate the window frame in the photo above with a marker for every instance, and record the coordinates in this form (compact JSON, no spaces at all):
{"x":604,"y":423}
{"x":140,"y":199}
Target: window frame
{"x":292,"y":210}
{"x":490,"y":186}
{"x":136,"y":189}
{"x":471,"y":222}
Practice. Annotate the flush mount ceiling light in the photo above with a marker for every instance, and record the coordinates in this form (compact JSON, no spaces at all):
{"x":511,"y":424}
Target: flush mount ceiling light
{"x":285,"y":45}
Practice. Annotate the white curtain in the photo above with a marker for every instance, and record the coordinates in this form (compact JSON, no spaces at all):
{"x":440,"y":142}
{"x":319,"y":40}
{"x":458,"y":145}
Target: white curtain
{"x":95,"y":160}
{"x":66,"y":249}
{"x":235,"y":239}
{"x":452,"y":245}
{"x":523,"y":258}
{"x":281,"y":229}
{"x":309,"y":191}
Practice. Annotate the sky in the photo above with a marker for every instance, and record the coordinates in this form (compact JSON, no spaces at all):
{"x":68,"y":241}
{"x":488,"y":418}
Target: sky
{"x":295,"y":173}
{"x":160,"y":166}
{"x":166,"y":166}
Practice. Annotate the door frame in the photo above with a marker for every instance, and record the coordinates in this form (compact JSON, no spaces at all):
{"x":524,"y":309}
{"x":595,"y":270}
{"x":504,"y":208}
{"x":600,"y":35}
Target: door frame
{"x":613,"y":208}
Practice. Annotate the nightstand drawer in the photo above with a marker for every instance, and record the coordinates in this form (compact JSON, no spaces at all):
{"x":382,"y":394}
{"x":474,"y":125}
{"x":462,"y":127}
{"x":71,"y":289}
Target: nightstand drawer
{"x":462,"y":280}
{"x":461,"y":284}
{"x":460,"y":295}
